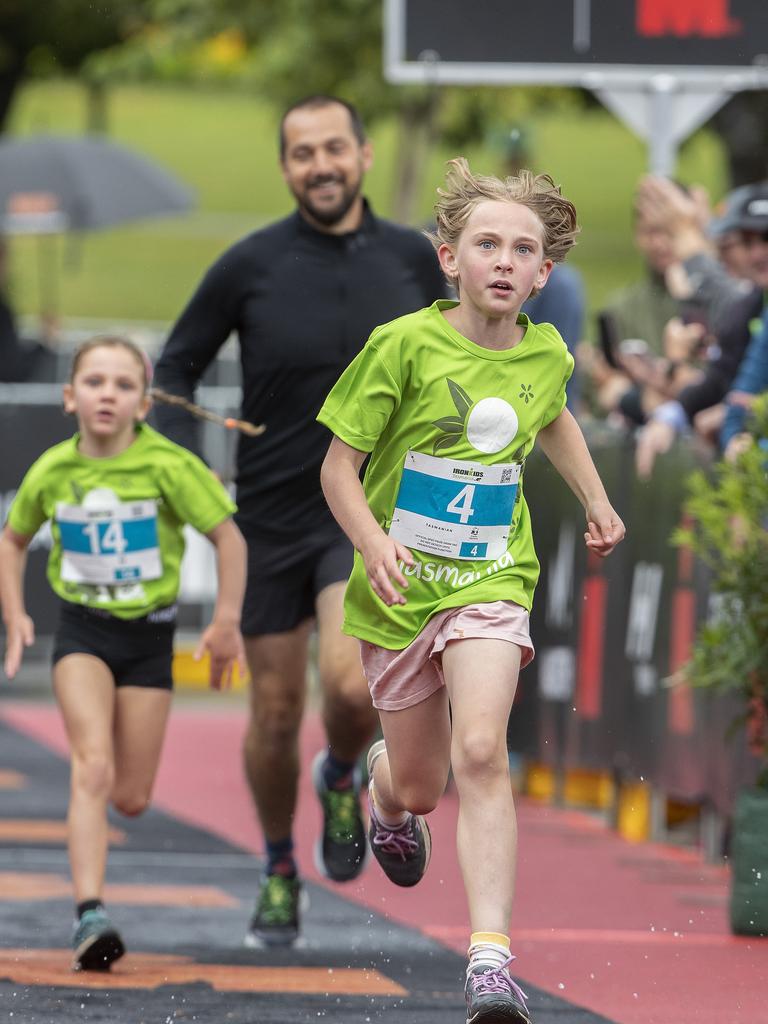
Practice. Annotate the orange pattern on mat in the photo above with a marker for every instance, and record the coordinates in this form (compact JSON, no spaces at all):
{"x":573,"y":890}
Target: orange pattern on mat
{"x":10,"y":779}
{"x":51,"y":967}
{"x":18,"y":886}
{"x":42,"y":830}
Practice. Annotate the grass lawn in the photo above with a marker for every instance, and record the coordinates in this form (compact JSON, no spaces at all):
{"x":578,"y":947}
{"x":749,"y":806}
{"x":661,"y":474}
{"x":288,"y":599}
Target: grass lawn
{"x":223,"y":145}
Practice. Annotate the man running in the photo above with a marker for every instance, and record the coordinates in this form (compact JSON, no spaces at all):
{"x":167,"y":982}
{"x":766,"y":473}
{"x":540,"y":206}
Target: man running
{"x":303,"y":294}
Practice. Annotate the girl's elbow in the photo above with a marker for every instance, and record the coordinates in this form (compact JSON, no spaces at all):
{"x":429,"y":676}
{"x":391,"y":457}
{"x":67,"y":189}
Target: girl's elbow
{"x":327,"y":472}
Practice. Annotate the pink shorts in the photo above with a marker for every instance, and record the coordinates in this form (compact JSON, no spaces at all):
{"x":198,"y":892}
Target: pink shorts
{"x":400,"y":679}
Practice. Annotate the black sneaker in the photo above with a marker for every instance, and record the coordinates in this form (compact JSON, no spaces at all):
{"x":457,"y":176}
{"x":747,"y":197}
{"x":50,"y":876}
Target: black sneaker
{"x":276,"y":917}
{"x":402,"y":852}
{"x":96,"y":942}
{"x":340,"y":850}
{"x":493,"y":997}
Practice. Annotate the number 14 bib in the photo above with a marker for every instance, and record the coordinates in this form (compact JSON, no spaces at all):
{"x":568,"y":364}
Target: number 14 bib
{"x":109,"y":545}
{"x":455,"y":509}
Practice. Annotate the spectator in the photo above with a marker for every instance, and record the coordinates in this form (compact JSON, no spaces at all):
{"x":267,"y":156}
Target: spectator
{"x":751,"y":220}
{"x":737,"y":304}
{"x":632,"y":319}
{"x":561,"y":303}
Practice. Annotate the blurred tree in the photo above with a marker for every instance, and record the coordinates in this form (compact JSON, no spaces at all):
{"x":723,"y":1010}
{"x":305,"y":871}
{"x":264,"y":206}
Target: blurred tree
{"x":56,"y":36}
{"x":286,"y":49}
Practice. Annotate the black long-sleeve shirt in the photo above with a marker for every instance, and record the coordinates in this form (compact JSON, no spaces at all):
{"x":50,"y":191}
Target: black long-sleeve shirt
{"x":303,"y":303}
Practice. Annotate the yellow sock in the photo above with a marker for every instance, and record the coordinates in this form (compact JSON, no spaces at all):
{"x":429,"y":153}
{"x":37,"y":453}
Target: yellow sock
{"x":495,"y":938}
{"x":491,"y":949}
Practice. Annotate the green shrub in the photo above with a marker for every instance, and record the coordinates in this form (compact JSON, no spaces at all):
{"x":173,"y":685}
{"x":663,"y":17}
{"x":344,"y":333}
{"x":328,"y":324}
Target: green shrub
{"x":727,"y":512}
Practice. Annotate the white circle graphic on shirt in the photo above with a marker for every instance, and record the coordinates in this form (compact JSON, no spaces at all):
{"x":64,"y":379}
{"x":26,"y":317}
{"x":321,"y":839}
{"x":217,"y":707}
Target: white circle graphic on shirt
{"x":491,"y":425}
{"x":101,"y":499}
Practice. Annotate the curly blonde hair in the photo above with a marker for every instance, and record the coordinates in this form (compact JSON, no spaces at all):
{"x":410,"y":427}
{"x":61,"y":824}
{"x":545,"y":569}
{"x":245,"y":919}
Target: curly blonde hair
{"x":464,"y":191}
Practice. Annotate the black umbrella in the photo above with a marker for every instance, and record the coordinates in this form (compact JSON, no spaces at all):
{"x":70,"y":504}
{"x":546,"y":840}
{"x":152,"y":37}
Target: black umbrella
{"x":51,"y":183}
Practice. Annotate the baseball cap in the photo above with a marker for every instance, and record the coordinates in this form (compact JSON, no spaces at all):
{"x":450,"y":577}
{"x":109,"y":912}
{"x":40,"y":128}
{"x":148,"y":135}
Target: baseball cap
{"x":744,"y":209}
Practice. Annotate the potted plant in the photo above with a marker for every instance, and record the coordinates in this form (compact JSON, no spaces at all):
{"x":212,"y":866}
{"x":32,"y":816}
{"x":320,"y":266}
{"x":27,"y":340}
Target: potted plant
{"x":727,"y":516}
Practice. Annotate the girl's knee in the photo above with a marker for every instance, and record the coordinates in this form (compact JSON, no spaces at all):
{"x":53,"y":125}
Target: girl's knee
{"x":480,"y":753}
{"x":420,"y":796}
{"x":92,"y":774}
{"x":130,"y":805}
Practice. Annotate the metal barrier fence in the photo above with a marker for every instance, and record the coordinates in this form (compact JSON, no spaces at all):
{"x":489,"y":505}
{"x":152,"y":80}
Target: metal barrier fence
{"x":608,"y":633}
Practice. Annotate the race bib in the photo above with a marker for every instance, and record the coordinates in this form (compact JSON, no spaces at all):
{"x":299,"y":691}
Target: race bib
{"x":455,"y":509}
{"x":114,"y":545}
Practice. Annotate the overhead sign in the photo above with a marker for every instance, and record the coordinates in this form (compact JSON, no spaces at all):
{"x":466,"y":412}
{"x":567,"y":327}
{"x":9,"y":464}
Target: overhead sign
{"x":577,"y":42}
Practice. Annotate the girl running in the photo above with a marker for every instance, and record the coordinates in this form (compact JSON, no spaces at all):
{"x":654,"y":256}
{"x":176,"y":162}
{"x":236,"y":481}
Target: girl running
{"x":117,"y":495}
{"x":448,"y":401}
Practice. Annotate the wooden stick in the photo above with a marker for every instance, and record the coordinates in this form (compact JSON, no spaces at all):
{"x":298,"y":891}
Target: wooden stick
{"x":206,"y":414}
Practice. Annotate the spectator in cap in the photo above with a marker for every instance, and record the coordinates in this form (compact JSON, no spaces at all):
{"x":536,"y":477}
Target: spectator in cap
{"x":750,"y":218}
{"x":728,"y":240}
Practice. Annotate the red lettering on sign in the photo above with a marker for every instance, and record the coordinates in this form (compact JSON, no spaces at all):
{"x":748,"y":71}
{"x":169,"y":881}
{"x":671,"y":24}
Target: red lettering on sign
{"x":709,"y":19}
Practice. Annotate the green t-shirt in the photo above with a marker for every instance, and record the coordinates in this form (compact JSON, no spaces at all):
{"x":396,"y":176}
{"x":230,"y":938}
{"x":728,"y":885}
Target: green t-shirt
{"x":420,"y":386}
{"x":117,"y":523}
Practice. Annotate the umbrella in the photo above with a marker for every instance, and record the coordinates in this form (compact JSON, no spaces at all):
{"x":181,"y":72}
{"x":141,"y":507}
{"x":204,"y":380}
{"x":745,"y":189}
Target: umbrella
{"x":51,"y":183}
{"x":55,"y":183}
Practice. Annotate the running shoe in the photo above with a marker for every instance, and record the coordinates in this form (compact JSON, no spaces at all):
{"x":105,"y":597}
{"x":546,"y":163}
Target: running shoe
{"x":96,"y":942}
{"x":493,"y":997}
{"x":402,"y":852}
{"x":340,"y":849}
{"x":276,"y":917}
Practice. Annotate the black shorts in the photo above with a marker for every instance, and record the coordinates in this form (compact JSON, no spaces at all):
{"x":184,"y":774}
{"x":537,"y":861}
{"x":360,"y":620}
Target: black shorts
{"x":278,"y":600}
{"x":138,"y":652}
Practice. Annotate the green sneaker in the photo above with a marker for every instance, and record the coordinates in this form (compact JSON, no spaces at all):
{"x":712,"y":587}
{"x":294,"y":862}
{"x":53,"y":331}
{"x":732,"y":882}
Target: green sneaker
{"x":276,"y":917}
{"x":96,"y":942}
{"x":341,"y":848}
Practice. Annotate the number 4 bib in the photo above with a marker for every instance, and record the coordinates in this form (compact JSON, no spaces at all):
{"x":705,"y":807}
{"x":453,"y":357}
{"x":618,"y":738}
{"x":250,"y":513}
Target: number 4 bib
{"x":455,"y":509}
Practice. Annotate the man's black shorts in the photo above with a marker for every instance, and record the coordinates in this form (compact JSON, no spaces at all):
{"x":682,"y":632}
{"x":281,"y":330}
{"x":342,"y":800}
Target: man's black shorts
{"x":278,"y":599}
{"x":138,"y":652}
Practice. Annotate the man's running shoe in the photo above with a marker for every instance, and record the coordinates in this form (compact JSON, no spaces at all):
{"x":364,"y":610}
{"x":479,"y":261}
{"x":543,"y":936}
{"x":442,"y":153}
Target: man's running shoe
{"x":340,"y":850}
{"x":493,"y":997}
{"x":402,"y":852}
{"x":276,"y":917}
{"x":96,"y":942}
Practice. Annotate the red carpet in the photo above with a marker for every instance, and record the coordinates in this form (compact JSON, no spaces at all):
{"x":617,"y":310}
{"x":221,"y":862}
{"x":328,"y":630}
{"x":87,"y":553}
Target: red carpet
{"x":637,"y":933}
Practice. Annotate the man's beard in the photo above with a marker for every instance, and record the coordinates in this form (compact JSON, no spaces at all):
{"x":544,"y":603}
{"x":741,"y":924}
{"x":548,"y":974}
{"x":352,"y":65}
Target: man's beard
{"x":329,"y":216}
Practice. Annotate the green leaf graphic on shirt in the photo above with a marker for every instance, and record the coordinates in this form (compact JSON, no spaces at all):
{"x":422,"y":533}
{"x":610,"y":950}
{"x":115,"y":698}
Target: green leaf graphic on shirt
{"x":445,"y":441}
{"x":452,"y":427}
{"x":461,"y":399}
{"x":78,"y":492}
{"x":450,"y":424}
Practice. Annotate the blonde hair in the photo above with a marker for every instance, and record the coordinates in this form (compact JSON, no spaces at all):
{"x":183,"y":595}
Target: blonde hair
{"x":112,"y":341}
{"x":464,"y":191}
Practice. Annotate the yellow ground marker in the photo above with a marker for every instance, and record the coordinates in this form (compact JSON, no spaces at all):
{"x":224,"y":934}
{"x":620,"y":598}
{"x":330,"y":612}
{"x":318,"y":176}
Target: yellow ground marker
{"x":26,"y":887}
{"x":52,"y":968}
{"x":10,"y":779}
{"x":43,"y":830}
